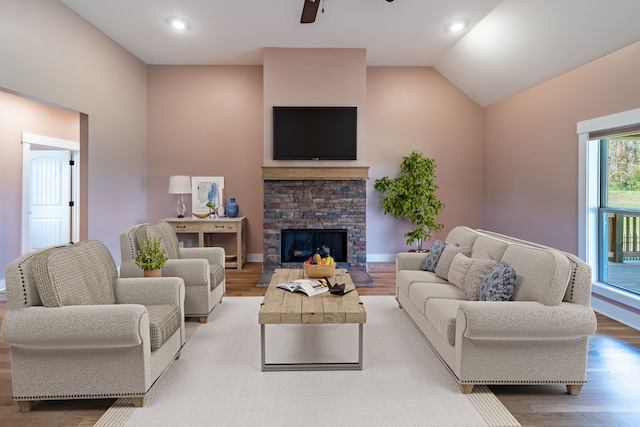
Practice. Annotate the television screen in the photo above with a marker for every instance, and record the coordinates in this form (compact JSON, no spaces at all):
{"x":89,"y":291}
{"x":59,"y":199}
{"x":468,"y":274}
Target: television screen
{"x":315,"y":133}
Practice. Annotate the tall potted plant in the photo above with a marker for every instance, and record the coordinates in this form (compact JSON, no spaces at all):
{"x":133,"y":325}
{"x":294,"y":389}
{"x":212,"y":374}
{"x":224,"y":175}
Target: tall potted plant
{"x":151,"y":257}
{"x":412,"y":195}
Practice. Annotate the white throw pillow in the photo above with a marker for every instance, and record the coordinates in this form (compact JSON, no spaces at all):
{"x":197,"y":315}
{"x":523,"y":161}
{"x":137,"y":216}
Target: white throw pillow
{"x":475,"y":275}
{"x":459,"y":268}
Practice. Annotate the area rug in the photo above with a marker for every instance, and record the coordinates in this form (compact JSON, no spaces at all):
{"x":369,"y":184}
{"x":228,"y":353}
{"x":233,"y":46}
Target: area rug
{"x":218,"y":381}
{"x":359,"y":278}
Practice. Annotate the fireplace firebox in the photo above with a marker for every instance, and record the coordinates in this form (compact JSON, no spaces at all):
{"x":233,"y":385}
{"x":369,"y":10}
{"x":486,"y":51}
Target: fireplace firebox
{"x":299,"y":245}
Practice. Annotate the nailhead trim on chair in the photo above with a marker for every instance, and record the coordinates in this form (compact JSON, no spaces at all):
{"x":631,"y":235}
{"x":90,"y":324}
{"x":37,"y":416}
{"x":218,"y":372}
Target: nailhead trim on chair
{"x":23,"y":279}
{"x":79,"y":396}
{"x":572,"y":281}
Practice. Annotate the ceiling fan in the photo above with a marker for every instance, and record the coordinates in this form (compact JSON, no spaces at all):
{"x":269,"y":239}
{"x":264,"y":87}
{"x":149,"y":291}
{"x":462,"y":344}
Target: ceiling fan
{"x":310,"y":11}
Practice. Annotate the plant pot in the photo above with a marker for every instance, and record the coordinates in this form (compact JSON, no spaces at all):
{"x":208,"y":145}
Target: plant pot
{"x":152,"y":273}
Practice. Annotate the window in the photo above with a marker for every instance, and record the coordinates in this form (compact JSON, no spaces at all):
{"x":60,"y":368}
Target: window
{"x":599,"y":205}
{"x":619,"y":212}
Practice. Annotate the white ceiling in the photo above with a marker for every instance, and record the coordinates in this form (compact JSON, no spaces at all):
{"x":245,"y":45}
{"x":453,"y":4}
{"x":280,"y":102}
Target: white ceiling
{"x":510,"y":45}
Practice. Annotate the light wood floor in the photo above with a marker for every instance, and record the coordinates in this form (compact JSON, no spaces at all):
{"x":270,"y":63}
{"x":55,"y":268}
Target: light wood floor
{"x":610,"y":398}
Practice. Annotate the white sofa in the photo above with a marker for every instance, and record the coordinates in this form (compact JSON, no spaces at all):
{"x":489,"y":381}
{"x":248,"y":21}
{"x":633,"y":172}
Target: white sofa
{"x":539,"y":336}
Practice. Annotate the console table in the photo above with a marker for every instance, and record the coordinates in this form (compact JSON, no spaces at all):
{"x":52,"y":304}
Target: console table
{"x":206,"y":226}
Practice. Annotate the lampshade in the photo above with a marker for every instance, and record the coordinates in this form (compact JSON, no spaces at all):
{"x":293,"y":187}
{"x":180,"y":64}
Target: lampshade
{"x":179,"y":184}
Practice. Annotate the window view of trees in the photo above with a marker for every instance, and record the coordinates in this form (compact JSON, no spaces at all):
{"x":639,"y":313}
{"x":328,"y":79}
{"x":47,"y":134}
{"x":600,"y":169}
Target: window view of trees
{"x":620,"y":205}
{"x":624,"y":172}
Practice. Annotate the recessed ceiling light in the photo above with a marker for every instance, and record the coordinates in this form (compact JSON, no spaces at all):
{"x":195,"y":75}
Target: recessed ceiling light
{"x":457,"y":26}
{"x":178,"y":23}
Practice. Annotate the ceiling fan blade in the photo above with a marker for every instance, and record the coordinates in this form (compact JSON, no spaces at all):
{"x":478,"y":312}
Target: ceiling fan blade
{"x":309,"y":11}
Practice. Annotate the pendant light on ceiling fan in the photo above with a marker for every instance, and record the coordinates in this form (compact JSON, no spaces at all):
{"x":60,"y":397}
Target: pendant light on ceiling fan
{"x":310,"y":10}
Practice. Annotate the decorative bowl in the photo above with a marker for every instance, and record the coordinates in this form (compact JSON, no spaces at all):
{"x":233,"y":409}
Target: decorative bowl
{"x":200,"y":214}
{"x":318,"y":271}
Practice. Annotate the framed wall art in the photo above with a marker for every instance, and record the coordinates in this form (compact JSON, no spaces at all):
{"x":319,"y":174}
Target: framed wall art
{"x":206,"y":189}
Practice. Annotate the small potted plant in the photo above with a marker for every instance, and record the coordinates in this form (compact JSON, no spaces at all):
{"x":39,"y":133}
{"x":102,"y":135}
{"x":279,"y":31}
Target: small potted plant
{"x":412,"y":195}
{"x":212,"y":209}
{"x":151,"y":257}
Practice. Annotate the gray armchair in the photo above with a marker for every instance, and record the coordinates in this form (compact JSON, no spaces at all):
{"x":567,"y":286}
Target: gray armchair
{"x":77,"y":331}
{"x":202,"y":269}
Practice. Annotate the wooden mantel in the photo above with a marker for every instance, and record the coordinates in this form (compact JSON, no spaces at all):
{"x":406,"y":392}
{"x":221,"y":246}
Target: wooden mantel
{"x":273,"y":173}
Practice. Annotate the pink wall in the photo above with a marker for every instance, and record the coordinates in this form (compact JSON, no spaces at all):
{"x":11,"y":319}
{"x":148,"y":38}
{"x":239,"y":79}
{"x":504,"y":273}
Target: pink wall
{"x":206,"y":121}
{"x":531,"y":148}
{"x":213,"y":120}
{"x":51,"y":54}
{"x":318,"y":77}
{"x":416,"y":108}
{"x":18,"y":115}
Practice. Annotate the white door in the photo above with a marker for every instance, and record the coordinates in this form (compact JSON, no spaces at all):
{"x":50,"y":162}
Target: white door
{"x":49,"y":198}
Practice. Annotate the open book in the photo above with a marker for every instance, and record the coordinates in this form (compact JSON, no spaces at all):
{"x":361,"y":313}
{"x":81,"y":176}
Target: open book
{"x":309,"y":287}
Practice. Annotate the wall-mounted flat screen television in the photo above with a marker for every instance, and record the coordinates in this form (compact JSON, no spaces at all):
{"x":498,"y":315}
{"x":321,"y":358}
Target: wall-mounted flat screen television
{"x":315,"y":133}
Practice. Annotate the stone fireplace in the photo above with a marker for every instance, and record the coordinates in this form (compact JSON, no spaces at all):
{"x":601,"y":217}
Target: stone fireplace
{"x":315,"y":199}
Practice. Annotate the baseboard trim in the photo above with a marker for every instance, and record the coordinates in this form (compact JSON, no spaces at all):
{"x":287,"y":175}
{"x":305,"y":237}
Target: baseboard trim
{"x":619,"y":306}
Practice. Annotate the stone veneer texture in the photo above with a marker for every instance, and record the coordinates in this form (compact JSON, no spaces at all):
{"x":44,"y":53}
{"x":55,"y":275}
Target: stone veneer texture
{"x":316,"y":204}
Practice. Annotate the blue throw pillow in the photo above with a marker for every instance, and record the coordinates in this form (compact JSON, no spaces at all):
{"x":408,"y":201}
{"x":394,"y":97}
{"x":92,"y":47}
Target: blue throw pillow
{"x":431,"y":262}
{"x":499,"y":283}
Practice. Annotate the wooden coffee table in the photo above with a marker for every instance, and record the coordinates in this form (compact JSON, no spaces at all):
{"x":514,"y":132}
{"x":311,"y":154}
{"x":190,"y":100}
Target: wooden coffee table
{"x":283,"y":307}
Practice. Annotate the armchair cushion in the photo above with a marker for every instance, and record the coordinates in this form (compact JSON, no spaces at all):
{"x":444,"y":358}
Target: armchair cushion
{"x":169,"y":240}
{"x":217,"y":275}
{"x":164,"y":321}
{"x":80,"y":274}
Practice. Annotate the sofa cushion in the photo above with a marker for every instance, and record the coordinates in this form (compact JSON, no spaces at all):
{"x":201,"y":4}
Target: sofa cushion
{"x":164,"y":321}
{"x":473,"y":279}
{"x":459,"y":268}
{"x":462,"y":236}
{"x":431,"y":261}
{"x":441,"y":313}
{"x":78,"y":274}
{"x":405,"y":278}
{"x":444,"y":264}
{"x":498,"y":284}
{"x":489,"y":246}
{"x":543,"y":274}
{"x":419,"y":293}
{"x":164,"y":231}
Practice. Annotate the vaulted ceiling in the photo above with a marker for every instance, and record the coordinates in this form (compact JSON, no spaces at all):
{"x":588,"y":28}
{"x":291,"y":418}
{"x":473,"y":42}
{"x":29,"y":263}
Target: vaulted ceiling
{"x":508,"y":46}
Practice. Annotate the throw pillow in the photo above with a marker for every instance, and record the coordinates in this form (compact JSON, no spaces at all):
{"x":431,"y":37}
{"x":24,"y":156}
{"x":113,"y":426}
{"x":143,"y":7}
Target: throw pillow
{"x":476,"y":273}
{"x":444,"y":263}
{"x":433,"y":257}
{"x":459,"y":268}
{"x":499,"y":283}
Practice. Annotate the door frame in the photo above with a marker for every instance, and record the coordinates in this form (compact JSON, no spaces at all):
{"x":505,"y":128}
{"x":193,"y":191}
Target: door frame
{"x":74,"y":148}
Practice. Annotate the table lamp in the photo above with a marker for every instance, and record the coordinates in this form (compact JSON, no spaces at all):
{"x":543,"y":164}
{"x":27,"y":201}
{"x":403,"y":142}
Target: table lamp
{"x":180,"y":184}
